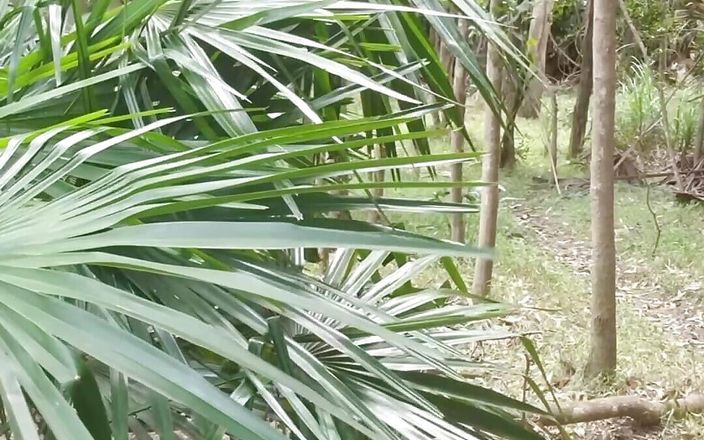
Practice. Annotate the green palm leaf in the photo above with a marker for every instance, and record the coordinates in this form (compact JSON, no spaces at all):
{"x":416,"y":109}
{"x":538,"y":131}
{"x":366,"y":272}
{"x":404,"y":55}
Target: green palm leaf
{"x":146,"y":283}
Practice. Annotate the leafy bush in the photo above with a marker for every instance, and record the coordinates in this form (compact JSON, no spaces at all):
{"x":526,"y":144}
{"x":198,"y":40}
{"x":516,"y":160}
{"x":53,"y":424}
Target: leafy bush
{"x":567,"y":21}
{"x":653,"y":19}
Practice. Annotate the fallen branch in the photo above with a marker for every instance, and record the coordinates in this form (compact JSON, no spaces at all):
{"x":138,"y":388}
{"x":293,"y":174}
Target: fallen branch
{"x":643,"y":411}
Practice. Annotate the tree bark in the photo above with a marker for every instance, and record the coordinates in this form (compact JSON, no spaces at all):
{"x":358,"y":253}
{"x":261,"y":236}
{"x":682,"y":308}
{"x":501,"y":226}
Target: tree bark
{"x":435,"y":117}
{"x":434,"y":38}
{"x":459,"y":87}
{"x":490,"y":173}
{"x":512,"y":93}
{"x":553,"y":134}
{"x":374,"y":216}
{"x":641,"y":410}
{"x":602,"y":356}
{"x":699,"y":138}
{"x":446,"y":58}
{"x":584,"y":90}
{"x":552,"y":147}
{"x":536,"y":46}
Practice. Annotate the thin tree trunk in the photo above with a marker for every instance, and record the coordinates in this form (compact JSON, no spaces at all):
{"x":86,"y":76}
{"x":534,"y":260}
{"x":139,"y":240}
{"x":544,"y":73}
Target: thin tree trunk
{"x":667,"y":127}
{"x":459,"y":87}
{"x":490,"y":173}
{"x":602,"y":356}
{"x":335,"y":157}
{"x":374,"y":216}
{"x":584,"y":91}
{"x":435,"y":118}
{"x":699,"y":138}
{"x":324,"y":253}
{"x":434,"y":38}
{"x":512,"y":97}
{"x":537,"y":45}
{"x":552,"y":147}
{"x":553,"y":135}
{"x":446,"y":58}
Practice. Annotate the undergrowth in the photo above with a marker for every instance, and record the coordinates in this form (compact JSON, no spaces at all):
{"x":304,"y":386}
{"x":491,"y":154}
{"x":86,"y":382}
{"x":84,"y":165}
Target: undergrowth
{"x":638,"y":112}
{"x":542,"y":265}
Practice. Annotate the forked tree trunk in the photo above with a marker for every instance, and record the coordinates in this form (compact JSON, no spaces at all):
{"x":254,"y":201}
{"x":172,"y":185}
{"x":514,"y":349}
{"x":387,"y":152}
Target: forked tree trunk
{"x":584,"y":89}
{"x":537,"y":46}
{"x":490,"y":173}
{"x":459,"y":87}
{"x":602,"y":356}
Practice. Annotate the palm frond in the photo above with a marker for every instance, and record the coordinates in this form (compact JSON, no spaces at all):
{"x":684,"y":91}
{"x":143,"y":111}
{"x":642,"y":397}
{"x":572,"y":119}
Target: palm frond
{"x":145,"y":280}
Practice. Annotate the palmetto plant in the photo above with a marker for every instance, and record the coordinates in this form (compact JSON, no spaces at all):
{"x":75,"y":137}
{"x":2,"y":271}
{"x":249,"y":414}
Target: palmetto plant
{"x":145,"y":283}
{"x":301,"y":60}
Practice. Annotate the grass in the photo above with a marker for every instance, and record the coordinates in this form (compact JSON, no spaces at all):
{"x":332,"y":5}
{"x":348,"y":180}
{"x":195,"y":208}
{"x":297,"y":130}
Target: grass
{"x":639,"y":109}
{"x":539,"y":265}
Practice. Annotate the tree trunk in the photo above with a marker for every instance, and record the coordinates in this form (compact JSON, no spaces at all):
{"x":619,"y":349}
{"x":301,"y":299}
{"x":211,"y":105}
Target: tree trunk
{"x":584,"y":90}
{"x":446,"y":58}
{"x":459,"y":87}
{"x":374,"y":216}
{"x":435,"y":118}
{"x":512,"y":98}
{"x":490,"y":173}
{"x":537,"y":46}
{"x":699,"y":138}
{"x":552,"y":146}
{"x":602,"y":356}
{"x":434,"y":38}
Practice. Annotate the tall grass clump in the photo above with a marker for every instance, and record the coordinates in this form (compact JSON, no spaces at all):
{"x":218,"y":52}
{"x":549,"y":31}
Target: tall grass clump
{"x":638,"y":112}
{"x":637,"y":109}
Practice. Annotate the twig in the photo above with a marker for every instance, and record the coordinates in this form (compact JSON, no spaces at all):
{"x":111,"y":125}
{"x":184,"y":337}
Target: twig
{"x":655,"y":219}
{"x":623,"y":157}
{"x":668,"y":133}
{"x":553,"y":139}
{"x":525,"y":382}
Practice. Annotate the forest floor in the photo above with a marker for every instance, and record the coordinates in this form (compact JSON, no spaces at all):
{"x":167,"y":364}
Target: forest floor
{"x":543,"y":262}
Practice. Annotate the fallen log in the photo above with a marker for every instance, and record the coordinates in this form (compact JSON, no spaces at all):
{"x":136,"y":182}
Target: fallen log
{"x":642,"y":411}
